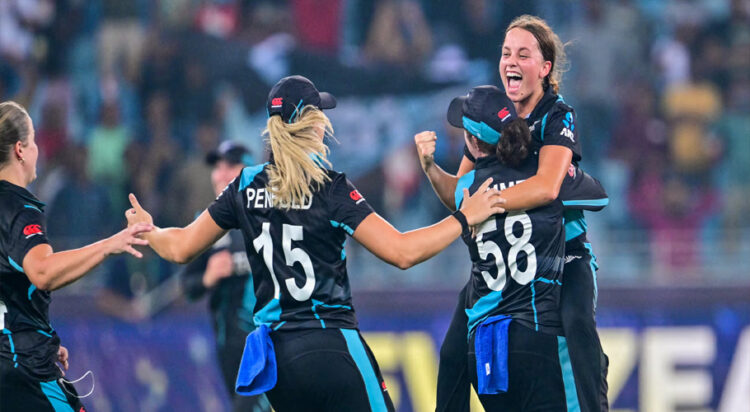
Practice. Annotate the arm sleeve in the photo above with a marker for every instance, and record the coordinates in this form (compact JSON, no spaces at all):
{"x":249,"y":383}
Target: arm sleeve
{"x":347,"y":206}
{"x":224,"y":210}
{"x":27,"y":230}
{"x":581,"y":191}
{"x":559,"y":128}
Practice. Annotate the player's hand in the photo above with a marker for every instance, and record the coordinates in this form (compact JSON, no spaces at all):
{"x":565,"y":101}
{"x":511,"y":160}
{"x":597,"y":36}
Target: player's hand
{"x":426,"y":142}
{"x":137,"y":214}
{"x":62,"y":359}
{"x":219,"y":267}
{"x":484,"y":203}
{"x":124,"y":241}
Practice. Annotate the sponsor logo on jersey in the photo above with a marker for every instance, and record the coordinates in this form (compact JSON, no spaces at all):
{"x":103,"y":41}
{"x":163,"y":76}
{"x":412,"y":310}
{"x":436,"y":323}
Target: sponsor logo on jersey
{"x":572,"y":171}
{"x":277,"y":102}
{"x":569,"y":127}
{"x":356,"y":196}
{"x":32,"y":230}
{"x":571,"y":258}
{"x":503,"y":114}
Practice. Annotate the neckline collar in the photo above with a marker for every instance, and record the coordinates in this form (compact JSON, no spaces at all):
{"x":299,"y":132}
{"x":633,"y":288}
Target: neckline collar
{"x":22,"y":192}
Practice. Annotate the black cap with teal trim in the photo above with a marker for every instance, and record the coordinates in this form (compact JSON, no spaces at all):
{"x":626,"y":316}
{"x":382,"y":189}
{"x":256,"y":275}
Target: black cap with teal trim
{"x":483,"y":112}
{"x":290,"y":94}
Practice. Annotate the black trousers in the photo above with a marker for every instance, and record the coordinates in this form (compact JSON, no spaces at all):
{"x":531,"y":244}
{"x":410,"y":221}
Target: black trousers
{"x":21,"y":393}
{"x":535,"y":373}
{"x":579,"y":325}
{"x":326,"y":370}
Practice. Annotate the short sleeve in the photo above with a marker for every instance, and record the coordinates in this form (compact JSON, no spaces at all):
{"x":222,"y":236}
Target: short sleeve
{"x":27,"y":231}
{"x":224,"y":210}
{"x":468,"y":154}
{"x":559,"y":129}
{"x":347,"y":206}
{"x":579,"y":190}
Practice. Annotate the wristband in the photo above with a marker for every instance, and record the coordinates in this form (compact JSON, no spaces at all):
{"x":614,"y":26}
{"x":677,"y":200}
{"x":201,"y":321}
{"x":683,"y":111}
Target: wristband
{"x":459,"y":215}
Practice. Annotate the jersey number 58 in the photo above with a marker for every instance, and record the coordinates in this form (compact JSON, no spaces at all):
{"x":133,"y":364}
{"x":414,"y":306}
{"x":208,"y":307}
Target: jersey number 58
{"x":517,"y":244}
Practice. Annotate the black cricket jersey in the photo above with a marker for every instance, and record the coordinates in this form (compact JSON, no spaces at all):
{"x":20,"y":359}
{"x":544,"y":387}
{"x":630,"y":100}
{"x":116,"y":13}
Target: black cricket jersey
{"x":27,"y":340}
{"x":518,"y":257}
{"x":552,"y":122}
{"x":296,"y":256}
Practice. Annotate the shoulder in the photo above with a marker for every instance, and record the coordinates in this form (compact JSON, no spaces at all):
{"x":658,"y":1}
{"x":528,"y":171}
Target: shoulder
{"x":249,"y":174}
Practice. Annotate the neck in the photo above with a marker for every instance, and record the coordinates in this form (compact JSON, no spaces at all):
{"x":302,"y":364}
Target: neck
{"x":525,"y":107}
{"x":11,"y":174}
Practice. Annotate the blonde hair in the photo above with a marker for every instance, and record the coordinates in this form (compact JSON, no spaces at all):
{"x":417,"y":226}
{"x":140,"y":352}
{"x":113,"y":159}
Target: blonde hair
{"x":299,"y":155}
{"x":553,"y":50}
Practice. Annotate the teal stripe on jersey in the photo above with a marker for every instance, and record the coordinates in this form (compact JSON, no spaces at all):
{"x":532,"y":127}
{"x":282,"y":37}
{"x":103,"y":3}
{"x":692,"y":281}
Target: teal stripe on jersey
{"x":269,"y":314}
{"x":569,"y":382}
{"x":575,"y":224}
{"x":32,"y":288}
{"x":587,"y":202}
{"x":463,"y":183}
{"x":248,"y":299}
{"x":357,"y":350}
{"x":15,"y":265}
{"x":594,"y":267}
{"x":249,"y":173}
{"x":482,"y":308}
{"x":316,"y":303}
{"x":544,"y":123}
{"x":344,"y":226}
{"x":55,"y":396}
{"x":32,"y":207}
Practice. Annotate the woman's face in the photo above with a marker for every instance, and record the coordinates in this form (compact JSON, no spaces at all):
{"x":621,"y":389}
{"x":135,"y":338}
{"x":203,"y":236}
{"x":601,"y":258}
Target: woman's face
{"x":30,"y":154}
{"x":522,"y":66}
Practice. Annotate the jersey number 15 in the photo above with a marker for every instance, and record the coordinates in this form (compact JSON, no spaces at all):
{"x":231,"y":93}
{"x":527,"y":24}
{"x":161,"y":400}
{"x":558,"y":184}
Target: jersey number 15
{"x":292,"y":255}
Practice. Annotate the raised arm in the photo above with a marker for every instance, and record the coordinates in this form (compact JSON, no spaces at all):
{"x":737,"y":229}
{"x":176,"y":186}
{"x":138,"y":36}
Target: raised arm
{"x":443,"y":183}
{"x":405,"y":250}
{"x":48,"y":270}
{"x":175,"y":244}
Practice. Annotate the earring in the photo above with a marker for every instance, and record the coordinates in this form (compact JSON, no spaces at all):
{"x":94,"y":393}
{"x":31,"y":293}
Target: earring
{"x":20,"y":159}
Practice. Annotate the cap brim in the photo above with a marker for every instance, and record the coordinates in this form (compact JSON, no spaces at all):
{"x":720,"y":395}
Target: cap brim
{"x":327,"y":101}
{"x":456,"y":111}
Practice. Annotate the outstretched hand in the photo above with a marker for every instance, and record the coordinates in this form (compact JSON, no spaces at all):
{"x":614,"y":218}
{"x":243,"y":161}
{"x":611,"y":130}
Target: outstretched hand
{"x":484,"y":203}
{"x":137,"y":214}
{"x":124,"y":241}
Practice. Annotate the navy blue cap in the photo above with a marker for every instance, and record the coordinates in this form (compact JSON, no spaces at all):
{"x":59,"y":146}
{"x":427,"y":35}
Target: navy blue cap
{"x":230,"y":151}
{"x":291,"y":94}
{"x":483,"y":112}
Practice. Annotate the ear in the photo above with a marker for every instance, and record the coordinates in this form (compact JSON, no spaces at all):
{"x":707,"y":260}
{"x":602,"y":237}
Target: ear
{"x":546,"y":68}
{"x":18,"y":149}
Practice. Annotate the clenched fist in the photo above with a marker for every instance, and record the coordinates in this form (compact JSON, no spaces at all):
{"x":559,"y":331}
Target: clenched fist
{"x":425,"y":142}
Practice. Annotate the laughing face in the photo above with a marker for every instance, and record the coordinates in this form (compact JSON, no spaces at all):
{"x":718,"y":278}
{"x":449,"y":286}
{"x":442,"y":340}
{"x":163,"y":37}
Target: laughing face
{"x":523,"y":69}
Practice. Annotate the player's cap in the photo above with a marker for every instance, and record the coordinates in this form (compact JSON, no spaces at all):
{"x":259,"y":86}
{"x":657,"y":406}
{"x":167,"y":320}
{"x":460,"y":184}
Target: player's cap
{"x":291,"y":94}
{"x":230,"y":151}
{"x":483,"y":112}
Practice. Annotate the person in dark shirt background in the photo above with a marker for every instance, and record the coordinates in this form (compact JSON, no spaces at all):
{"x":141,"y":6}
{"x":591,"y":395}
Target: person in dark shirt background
{"x":224,"y":273}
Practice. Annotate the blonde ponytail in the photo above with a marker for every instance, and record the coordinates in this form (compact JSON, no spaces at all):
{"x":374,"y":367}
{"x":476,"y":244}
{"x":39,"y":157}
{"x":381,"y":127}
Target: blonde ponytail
{"x":300,"y":157}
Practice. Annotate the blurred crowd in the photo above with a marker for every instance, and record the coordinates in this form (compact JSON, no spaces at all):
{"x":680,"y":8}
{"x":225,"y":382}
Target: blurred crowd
{"x":131,"y":95}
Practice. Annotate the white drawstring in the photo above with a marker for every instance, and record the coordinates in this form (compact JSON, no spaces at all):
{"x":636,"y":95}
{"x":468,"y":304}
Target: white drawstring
{"x":93,"y":385}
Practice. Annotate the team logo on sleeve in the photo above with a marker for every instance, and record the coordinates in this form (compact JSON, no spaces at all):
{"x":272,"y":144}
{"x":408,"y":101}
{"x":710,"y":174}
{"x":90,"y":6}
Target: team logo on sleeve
{"x":32,"y":230}
{"x":569,"y":127}
{"x":356,"y":196}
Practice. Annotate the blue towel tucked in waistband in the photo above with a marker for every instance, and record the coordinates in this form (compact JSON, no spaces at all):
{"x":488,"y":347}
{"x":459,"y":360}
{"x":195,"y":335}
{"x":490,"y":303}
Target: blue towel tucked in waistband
{"x":257,"y":372}
{"x":491,"y":347}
